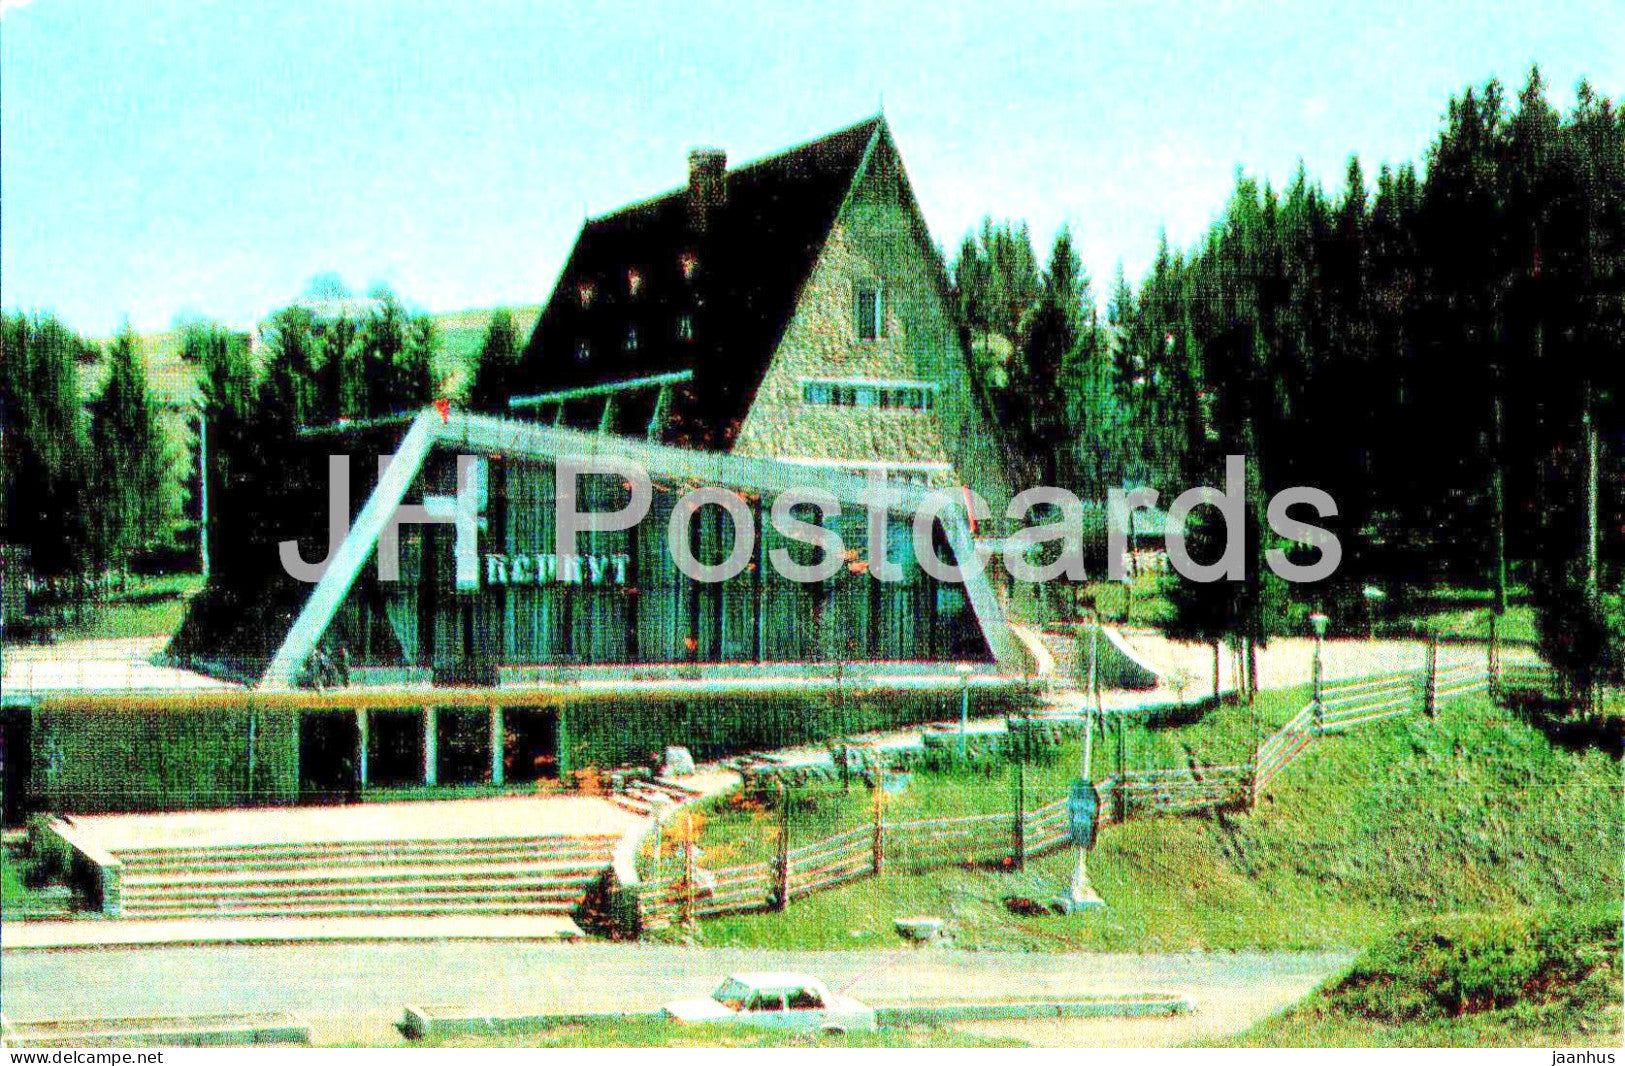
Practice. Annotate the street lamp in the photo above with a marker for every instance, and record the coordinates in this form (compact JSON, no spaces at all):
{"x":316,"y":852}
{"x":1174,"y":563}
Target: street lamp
{"x":1373,"y":596}
{"x":964,"y":671}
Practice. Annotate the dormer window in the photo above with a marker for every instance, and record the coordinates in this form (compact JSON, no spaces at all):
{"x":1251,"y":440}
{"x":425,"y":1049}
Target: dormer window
{"x":634,"y":282}
{"x":690,"y":265}
{"x":586,"y":290}
{"x":631,"y":343}
{"x":685,"y":327}
{"x":867,"y":313}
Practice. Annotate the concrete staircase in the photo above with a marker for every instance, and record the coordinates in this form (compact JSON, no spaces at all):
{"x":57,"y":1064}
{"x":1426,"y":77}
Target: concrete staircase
{"x":1064,"y":695}
{"x":641,"y":796}
{"x":351,"y":879}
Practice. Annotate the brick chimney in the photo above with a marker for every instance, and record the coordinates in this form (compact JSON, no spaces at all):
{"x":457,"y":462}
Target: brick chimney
{"x":707,"y":185}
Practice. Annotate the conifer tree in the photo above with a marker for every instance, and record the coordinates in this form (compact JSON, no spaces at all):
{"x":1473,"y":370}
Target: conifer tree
{"x":129,"y":464}
{"x":496,"y":372}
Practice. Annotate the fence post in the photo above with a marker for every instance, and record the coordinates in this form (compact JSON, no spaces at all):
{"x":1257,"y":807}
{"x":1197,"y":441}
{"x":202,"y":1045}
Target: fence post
{"x":1493,"y":667}
{"x":784,"y":847}
{"x":880,"y":826}
{"x":1021,"y":817}
{"x":688,"y":873}
{"x":1318,"y":677}
{"x":1430,"y":685}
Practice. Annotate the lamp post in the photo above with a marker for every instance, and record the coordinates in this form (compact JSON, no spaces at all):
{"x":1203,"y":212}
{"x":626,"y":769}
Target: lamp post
{"x":1318,"y":621}
{"x":964,"y":671}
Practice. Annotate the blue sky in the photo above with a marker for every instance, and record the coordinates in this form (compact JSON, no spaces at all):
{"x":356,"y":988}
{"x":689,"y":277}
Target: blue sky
{"x":165,"y":159}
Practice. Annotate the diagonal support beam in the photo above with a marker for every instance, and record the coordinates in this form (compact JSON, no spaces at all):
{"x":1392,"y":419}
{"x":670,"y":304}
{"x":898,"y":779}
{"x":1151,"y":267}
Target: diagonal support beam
{"x":346,"y":563}
{"x":1007,"y":650}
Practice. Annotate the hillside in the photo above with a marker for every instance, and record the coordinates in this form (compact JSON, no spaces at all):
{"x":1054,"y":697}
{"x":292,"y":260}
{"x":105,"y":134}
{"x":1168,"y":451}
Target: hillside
{"x":1474,"y":811}
{"x":1507,"y":980}
{"x":174,"y":381}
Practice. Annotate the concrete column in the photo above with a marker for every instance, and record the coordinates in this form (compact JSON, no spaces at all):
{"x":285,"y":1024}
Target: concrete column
{"x":361,"y":743}
{"x":431,"y":745}
{"x":497,"y":738}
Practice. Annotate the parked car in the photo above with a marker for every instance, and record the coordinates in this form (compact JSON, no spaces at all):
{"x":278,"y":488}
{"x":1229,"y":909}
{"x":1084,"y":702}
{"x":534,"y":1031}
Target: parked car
{"x":788,"y":1001}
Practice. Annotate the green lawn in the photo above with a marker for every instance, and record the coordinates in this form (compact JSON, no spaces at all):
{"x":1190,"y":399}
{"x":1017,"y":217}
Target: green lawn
{"x":649,"y":1033}
{"x":13,"y":892}
{"x":1518,"y":624}
{"x":150,"y":607}
{"x":17,"y":896}
{"x":1509,"y":980}
{"x":1139,"y":603}
{"x":1472,"y":811}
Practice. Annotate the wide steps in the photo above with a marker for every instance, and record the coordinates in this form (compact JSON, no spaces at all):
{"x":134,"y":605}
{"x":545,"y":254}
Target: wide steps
{"x":379,"y":863}
{"x":361,"y":894}
{"x":368,"y":878}
{"x":316,"y":877}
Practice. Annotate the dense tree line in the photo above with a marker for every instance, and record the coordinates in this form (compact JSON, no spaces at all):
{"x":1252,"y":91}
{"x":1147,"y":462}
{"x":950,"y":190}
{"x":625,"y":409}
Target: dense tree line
{"x":83,"y":482}
{"x":312,"y":369}
{"x":91,"y":484}
{"x":1440,"y":350}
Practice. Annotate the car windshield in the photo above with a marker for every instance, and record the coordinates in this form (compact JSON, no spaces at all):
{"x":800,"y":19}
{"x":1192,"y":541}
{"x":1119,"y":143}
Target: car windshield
{"x":732,"y":994}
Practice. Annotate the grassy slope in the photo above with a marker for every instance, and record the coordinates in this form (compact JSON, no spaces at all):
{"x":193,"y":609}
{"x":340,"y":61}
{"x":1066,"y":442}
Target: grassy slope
{"x":151,"y":607}
{"x":462,"y":332}
{"x":1471,"y":811}
{"x":174,"y":381}
{"x":1509,"y":980}
{"x":1517,"y":624}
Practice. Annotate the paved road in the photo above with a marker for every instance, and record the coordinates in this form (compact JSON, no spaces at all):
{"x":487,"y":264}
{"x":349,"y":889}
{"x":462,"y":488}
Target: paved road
{"x":354,"y":991}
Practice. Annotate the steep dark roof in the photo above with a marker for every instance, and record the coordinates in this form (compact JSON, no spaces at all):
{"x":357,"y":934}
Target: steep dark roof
{"x":750,"y":262}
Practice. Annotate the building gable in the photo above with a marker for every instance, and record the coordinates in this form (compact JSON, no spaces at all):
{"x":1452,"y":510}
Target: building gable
{"x":871,"y":369}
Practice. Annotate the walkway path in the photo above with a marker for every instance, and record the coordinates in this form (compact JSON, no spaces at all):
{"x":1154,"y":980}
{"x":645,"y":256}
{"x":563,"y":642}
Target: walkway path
{"x":451,"y":819}
{"x":356,"y":991}
{"x":1185,"y":674}
{"x":138,"y":932}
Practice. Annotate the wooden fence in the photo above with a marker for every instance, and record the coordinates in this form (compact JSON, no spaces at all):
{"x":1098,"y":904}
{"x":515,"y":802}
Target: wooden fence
{"x":1010,"y":838}
{"x":1347,"y":704}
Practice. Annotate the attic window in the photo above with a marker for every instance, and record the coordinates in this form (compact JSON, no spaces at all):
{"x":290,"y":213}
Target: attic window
{"x":685,"y":327}
{"x":583,"y":351}
{"x":631,"y":338}
{"x":689,"y":264}
{"x":634,"y":282}
{"x":867,"y":313}
{"x":890,"y":395}
{"x":585,"y":291}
